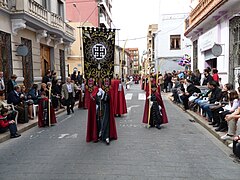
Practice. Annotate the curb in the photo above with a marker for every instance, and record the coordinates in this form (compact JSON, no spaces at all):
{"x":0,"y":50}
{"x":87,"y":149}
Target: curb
{"x":200,"y":120}
{"x":26,"y":126}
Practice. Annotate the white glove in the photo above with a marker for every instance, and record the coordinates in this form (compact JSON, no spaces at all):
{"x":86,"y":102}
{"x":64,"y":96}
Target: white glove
{"x":149,"y":97}
{"x":99,"y":93}
{"x":151,"y":103}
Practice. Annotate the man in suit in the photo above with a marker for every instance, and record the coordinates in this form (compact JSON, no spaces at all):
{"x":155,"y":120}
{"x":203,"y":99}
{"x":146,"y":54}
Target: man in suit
{"x":15,"y":98}
{"x":68,"y":93}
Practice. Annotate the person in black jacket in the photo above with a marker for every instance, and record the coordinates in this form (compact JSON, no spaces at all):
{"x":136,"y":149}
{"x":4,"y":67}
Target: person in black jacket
{"x":207,"y":77}
{"x":191,"y":89}
{"x":216,"y":94}
{"x":11,"y":83}
{"x":15,"y":98}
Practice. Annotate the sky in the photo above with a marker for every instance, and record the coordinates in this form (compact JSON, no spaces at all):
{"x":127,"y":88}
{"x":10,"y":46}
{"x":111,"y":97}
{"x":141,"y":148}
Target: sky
{"x":133,"y":17}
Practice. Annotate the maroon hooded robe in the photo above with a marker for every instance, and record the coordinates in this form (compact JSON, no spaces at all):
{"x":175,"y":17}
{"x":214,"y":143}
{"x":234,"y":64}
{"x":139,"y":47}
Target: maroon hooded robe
{"x":120,"y":106}
{"x":160,"y":102}
{"x":92,"y":129}
{"x":40,"y":113}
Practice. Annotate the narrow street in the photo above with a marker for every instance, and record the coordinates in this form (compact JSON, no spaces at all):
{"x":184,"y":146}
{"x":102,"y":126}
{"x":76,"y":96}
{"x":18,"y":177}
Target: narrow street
{"x":180,"y":150}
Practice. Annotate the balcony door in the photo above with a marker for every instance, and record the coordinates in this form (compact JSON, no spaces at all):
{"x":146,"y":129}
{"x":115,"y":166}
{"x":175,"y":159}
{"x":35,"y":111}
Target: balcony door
{"x":45,"y":59}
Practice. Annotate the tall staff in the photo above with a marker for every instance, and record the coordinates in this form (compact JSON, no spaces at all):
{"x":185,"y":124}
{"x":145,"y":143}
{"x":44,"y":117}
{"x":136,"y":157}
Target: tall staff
{"x":49,"y":106}
{"x":149,"y":101}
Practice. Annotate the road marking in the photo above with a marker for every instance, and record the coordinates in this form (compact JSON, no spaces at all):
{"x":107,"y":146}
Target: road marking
{"x":72,"y":136}
{"x":130,"y":108}
{"x":62,"y":136}
{"x":141,"y":96}
{"x":40,"y":131}
{"x":128,"y":96}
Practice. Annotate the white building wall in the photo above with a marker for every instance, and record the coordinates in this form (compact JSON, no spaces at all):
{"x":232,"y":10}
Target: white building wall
{"x":172,"y":25}
{"x":219,"y":35}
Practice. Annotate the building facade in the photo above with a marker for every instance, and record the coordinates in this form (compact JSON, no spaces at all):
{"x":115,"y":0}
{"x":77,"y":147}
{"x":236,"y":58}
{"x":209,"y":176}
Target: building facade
{"x":214,"y":28}
{"x":134,"y":56}
{"x":33,"y":38}
{"x":95,"y":13}
{"x":150,"y":59}
{"x":123,"y":63}
{"x":170,"y":43}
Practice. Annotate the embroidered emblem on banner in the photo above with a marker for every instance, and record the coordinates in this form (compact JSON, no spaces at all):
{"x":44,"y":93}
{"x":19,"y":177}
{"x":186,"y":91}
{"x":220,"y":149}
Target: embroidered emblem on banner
{"x":99,"y":51}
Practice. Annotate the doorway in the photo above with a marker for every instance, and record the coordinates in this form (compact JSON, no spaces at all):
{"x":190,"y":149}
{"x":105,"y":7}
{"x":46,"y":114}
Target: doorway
{"x":45,"y":59}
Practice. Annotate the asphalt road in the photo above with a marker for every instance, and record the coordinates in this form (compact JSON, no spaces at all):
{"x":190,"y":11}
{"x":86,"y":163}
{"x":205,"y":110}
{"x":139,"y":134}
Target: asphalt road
{"x":180,"y":150}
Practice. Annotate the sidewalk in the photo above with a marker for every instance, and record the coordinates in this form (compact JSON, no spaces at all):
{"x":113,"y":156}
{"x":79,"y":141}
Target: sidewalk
{"x":26,"y":126}
{"x":203,"y":122}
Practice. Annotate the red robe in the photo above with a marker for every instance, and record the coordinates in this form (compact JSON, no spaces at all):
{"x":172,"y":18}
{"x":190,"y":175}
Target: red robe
{"x":81,"y":100}
{"x":120,"y":106}
{"x":40,"y":113}
{"x":86,"y":99}
{"x":92,"y":129}
{"x":160,"y":102}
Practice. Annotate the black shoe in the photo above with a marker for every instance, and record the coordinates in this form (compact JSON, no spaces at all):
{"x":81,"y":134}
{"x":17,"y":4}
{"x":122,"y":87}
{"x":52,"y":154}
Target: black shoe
{"x":15,"y":135}
{"x":68,"y":113}
{"x":218,"y":129}
{"x":158,"y":126}
{"x":223,"y":130}
{"x":72,"y":111}
{"x":216,"y":125}
{"x":211,"y":123}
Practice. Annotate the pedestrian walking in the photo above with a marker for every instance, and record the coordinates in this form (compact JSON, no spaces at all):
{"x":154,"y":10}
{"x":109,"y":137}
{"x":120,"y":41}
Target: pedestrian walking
{"x":68,"y":93}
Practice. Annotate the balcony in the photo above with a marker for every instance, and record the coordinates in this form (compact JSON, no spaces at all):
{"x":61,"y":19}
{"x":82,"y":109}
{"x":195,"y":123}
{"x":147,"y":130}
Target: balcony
{"x":201,"y":12}
{"x":30,"y":13}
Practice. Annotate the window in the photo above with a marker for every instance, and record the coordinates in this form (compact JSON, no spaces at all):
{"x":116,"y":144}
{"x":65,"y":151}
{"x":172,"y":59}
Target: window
{"x":175,"y":42}
{"x":60,"y":8}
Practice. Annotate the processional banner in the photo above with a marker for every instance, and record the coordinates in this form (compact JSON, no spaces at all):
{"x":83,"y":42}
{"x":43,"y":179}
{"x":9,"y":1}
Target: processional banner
{"x":98,"y":47}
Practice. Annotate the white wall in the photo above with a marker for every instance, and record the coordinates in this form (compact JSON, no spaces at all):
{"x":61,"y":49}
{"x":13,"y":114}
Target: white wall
{"x":220,"y":35}
{"x":171,"y":25}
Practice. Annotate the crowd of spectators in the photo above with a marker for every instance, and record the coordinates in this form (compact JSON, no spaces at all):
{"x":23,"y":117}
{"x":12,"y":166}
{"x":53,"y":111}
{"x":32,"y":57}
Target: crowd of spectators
{"x":218,"y":104}
{"x":20,"y":102}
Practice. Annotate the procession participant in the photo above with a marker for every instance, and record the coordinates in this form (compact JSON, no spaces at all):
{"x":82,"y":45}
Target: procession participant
{"x":101,"y":123}
{"x":87,"y":86}
{"x":43,"y":112}
{"x":68,"y":93}
{"x":155,"y":106}
{"x":119,"y":100}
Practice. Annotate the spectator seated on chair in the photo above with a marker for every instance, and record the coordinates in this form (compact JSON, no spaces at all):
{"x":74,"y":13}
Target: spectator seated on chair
{"x":15,"y":98}
{"x":27,"y":101}
{"x":7,"y":122}
{"x":216,"y":93}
